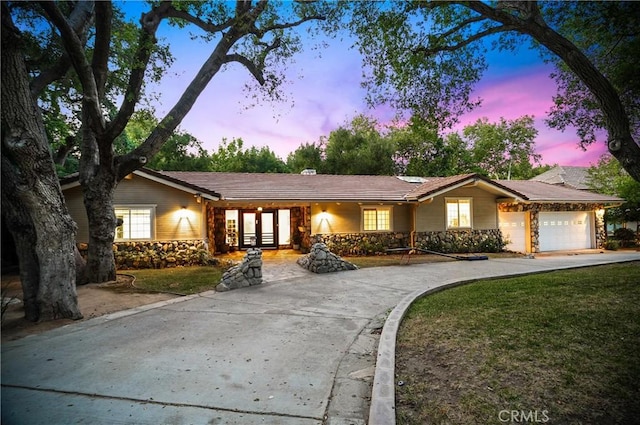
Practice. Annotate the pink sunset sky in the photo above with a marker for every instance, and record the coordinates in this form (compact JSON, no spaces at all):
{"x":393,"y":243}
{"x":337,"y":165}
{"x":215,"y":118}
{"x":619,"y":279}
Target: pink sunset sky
{"x":324,"y":92}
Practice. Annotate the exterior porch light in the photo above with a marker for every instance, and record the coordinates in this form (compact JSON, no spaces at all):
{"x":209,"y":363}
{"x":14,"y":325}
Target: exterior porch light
{"x":183,"y":213}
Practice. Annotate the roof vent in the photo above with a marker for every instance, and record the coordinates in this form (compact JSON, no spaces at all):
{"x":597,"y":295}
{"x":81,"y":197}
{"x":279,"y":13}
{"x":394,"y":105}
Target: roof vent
{"x":308,"y":172}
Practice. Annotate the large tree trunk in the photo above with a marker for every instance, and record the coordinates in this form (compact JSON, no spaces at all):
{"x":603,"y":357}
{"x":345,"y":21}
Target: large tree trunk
{"x":98,"y":182}
{"x":98,"y":201}
{"x":32,"y":200}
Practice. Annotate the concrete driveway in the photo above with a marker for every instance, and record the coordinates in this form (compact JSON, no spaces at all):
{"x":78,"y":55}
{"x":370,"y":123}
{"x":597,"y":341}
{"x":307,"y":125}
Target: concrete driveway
{"x":299,"y":349}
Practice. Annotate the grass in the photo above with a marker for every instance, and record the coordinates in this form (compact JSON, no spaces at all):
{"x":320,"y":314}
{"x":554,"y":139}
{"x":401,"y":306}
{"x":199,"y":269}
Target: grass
{"x":178,"y":280}
{"x":194,"y":279}
{"x":564,"y":346}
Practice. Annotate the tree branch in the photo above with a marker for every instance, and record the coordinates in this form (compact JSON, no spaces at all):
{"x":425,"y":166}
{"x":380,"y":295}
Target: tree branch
{"x":50,"y":75}
{"x":205,"y":26}
{"x":495,"y":30}
{"x":101,"y":50}
{"x":149,"y":23}
{"x":461,"y":26}
{"x":75,"y":50}
{"x":260,"y":32}
{"x":253,"y":69}
{"x":135,"y":159}
{"x":80,"y":19}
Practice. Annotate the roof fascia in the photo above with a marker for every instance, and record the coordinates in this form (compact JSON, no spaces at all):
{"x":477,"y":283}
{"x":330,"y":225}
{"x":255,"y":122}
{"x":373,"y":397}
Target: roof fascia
{"x":174,"y":185}
{"x":475,"y":181}
{"x":76,"y":182}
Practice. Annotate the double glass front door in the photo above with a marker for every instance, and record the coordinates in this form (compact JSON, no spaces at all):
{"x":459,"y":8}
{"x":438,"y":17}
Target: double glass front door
{"x":259,"y":229}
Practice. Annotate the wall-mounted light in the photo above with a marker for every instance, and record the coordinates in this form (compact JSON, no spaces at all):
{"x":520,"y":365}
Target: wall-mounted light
{"x":198,"y":197}
{"x":324,"y":215}
{"x":184,"y":213}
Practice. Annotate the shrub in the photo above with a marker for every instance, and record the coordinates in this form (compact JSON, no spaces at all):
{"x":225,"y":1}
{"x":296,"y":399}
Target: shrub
{"x":611,"y":245}
{"x":625,"y":236}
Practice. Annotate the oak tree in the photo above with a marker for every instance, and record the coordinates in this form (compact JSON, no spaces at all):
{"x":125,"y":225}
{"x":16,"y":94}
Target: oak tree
{"x":259,"y":36}
{"x":425,"y":56}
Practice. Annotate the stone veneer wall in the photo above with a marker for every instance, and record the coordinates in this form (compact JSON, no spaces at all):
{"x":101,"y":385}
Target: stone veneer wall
{"x":461,"y":241}
{"x":157,"y":255}
{"x":448,"y":242}
{"x":345,"y":244}
{"x":536,"y":208}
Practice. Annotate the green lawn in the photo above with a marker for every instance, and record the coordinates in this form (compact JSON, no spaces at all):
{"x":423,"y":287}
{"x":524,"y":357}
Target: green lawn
{"x":178,"y":280}
{"x":563,"y":346}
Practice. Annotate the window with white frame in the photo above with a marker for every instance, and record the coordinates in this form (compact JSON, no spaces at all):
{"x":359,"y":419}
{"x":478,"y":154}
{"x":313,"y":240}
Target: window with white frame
{"x":458,"y":213}
{"x":134,"y":222}
{"x":376,"y":218}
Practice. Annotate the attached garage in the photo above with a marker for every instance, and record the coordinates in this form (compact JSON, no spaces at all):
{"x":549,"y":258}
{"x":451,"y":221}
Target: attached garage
{"x":513,"y":226}
{"x":565,"y":230}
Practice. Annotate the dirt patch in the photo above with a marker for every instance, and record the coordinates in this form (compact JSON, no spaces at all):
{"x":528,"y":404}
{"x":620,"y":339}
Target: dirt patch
{"x":94,"y":300}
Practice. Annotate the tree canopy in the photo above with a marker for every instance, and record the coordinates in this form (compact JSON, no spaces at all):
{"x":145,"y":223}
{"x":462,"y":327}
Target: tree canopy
{"x":231,"y":157}
{"x":504,"y":150}
{"x":87,"y":61}
{"x":426,"y":57}
{"x":610,"y":178}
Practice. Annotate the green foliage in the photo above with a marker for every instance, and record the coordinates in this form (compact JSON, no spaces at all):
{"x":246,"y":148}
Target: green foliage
{"x":396,"y":41}
{"x":358,"y":148}
{"x":609,"y":34}
{"x":306,"y":156}
{"x":497,"y":150}
{"x":422,"y":152}
{"x":611,"y":245}
{"x":626,"y":237}
{"x":504,"y":150}
{"x":181,"y":151}
{"x":231,"y":157}
{"x":424,"y":57}
{"x":610,"y":178}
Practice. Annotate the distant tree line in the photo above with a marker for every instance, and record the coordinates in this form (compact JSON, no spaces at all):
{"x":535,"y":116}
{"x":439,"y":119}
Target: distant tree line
{"x":503,"y":150}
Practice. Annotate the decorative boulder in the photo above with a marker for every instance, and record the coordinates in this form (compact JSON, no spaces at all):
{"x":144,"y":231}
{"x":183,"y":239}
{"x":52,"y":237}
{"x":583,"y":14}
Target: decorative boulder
{"x":321,"y":260}
{"x":247,"y":273}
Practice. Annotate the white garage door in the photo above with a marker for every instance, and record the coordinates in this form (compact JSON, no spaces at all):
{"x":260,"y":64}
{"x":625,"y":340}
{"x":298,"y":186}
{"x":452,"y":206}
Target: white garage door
{"x":565,"y":230}
{"x":513,"y":228}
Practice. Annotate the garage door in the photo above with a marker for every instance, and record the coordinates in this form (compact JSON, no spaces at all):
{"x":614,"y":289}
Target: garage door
{"x":565,"y":230}
{"x":513,"y":228}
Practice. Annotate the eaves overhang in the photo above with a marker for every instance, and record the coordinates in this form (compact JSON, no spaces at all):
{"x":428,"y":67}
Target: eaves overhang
{"x":73,"y":180}
{"x":473,"y":180}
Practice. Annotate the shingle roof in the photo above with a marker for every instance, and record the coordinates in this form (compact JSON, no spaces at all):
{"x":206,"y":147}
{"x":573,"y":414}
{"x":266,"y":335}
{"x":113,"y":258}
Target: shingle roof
{"x":329,"y":187}
{"x":287,"y":187}
{"x":545,"y":192}
{"x":574,"y":177}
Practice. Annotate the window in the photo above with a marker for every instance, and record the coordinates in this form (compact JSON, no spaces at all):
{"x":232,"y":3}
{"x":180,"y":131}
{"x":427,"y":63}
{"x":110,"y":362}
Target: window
{"x":134,"y":223}
{"x":458,"y":213}
{"x":376,"y":218}
{"x":231,"y":218}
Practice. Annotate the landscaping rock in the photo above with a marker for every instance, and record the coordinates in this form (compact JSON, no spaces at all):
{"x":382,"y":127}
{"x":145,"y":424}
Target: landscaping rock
{"x":247,"y":273}
{"x":321,"y":260}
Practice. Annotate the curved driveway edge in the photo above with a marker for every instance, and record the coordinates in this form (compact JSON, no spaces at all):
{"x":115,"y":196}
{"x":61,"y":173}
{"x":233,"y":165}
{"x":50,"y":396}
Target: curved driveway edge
{"x":382,"y":410}
{"x":297,"y":350}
